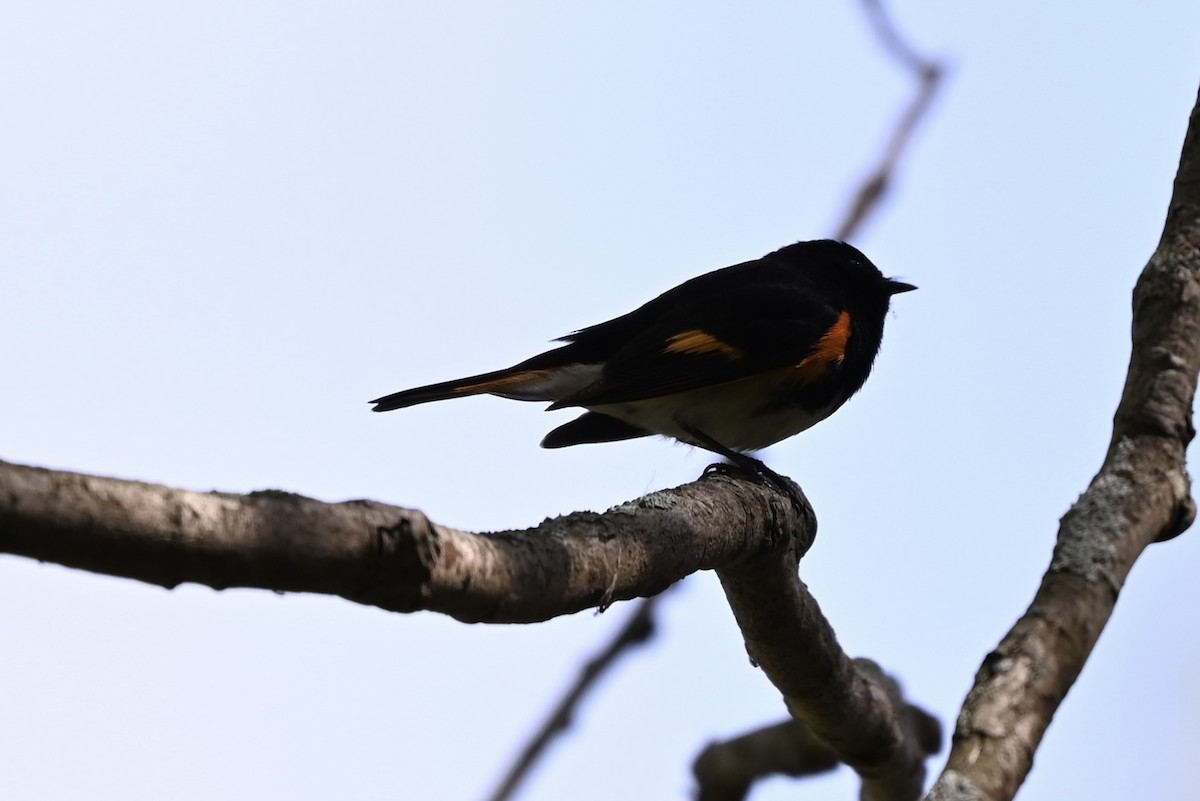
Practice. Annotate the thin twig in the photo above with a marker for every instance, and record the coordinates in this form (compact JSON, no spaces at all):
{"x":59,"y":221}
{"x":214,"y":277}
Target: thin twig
{"x":891,"y":40}
{"x":928,"y":74}
{"x":638,"y":629}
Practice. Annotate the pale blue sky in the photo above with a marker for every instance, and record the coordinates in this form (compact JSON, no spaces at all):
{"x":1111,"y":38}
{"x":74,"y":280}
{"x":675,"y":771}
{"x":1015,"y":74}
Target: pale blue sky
{"x":225,"y":226}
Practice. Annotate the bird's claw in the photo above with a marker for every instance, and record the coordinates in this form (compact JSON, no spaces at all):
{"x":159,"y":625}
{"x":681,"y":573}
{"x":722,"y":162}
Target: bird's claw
{"x":724,"y":469}
{"x":760,"y":474}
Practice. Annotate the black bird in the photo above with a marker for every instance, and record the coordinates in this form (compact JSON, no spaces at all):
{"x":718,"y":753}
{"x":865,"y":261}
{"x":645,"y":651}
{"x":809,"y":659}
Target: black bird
{"x":731,"y":361}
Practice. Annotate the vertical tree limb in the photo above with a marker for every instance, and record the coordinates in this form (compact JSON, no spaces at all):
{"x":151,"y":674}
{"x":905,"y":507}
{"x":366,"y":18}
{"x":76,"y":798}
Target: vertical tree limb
{"x":1141,"y":495}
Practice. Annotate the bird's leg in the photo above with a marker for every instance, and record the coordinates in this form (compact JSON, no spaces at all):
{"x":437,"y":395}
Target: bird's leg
{"x":748,"y":464}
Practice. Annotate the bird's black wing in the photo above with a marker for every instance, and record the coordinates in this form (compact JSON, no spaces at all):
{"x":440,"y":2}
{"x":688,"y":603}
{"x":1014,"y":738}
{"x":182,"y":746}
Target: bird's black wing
{"x":709,"y":332}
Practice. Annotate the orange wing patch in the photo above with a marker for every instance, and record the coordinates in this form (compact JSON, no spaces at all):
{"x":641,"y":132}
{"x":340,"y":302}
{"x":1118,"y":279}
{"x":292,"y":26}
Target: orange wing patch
{"x":697,"y":341}
{"x":830,"y":350}
{"x":508,"y":381}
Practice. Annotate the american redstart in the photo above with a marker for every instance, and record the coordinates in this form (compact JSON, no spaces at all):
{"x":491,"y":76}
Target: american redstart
{"x":731,"y":361}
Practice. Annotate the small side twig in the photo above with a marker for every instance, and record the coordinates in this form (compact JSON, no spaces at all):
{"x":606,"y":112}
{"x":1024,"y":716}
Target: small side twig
{"x":638,"y":629}
{"x":725,"y":771}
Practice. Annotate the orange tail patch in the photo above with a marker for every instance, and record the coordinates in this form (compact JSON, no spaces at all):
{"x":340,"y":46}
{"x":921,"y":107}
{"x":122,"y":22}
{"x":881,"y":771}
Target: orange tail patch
{"x":512,"y":381}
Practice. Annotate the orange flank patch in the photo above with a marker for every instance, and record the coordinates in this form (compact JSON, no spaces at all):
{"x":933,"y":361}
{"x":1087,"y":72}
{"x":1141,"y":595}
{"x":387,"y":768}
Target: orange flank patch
{"x":697,"y":341}
{"x":506,"y":382}
{"x":830,"y":350}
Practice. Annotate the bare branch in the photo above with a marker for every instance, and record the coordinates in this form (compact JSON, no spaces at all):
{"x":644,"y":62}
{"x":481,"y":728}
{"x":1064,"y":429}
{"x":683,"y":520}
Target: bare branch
{"x":725,"y":771}
{"x":928,"y":75}
{"x":396,"y":559}
{"x":384,"y":555}
{"x":636,"y":631}
{"x":851,"y":711}
{"x":1141,"y":495}
{"x":893,"y":42}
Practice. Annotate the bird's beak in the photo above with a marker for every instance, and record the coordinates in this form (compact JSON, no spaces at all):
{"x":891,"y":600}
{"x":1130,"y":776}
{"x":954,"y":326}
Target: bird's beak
{"x":896,"y":287}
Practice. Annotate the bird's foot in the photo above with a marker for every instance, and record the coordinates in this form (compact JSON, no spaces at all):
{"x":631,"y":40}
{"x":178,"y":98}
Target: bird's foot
{"x":748,"y":464}
{"x":724,"y":469}
{"x":760,"y":473}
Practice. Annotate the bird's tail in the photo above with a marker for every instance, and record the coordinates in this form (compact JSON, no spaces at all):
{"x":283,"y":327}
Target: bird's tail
{"x":518,"y":383}
{"x":501,"y":382}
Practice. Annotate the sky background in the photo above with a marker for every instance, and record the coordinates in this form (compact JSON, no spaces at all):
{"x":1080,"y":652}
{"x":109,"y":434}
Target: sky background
{"x":226,"y":225}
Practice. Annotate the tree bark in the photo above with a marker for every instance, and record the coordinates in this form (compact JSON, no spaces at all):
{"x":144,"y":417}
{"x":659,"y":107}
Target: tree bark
{"x":397,"y":559}
{"x":388,"y":556}
{"x":1140,"y":496}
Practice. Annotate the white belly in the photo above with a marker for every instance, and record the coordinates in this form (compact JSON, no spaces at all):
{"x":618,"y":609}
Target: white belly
{"x":733,"y":418}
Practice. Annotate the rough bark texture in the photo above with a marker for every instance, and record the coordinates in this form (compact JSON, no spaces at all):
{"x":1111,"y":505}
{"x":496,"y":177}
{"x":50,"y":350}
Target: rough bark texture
{"x":383,"y":555}
{"x":849,"y":710}
{"x":726,"y":771}
{"x":1140,"y":496}
{"x":396,"y":559}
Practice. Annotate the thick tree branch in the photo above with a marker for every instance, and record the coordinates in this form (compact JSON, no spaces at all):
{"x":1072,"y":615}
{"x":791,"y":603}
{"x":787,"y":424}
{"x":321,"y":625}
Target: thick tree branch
{"x":849,"y":710}
{"x":396,"y":559}
{"x":1141,"y":495}
{"x":384,"y":555}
